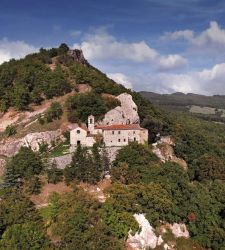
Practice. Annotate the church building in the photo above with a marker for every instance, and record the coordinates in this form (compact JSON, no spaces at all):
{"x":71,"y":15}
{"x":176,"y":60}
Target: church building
{"x":119,"y":127}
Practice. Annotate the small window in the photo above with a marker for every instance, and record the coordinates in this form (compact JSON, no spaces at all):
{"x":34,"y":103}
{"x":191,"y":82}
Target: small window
{"x":91,"y":121}
{"x":78,"y":131}
{"x":134,"y":132}
{"x":118,"y":132}
{"x":118,"y":140}
{"x":113,"y":132}
{"x":134,"y":138}
{"x":124,"y":140}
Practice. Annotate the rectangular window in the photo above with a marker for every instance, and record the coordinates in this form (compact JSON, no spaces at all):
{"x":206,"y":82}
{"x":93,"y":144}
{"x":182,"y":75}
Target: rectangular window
{"x":124,"y":140}
{"x":113,"y":132}
{"x":118,"y":132}
{"x":134,"y":132}
{"x":134,"y":138}
{"x":118,"y":140}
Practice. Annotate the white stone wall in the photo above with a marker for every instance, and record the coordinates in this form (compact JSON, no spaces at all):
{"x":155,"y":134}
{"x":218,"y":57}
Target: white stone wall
{"x":120,"y":138}
{"x":80,"y":135}
{"x":143,"y":136}
{"x":91,"y":123}
{"x":75,"y":136}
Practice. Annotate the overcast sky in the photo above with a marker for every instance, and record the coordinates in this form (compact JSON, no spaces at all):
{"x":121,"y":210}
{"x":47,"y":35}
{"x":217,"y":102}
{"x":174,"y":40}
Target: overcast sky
{"x":156,"y":45}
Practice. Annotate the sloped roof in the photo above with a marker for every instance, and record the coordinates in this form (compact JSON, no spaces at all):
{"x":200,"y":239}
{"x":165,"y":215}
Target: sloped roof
{"x":76,"y":125}
{"x":120,"y":127}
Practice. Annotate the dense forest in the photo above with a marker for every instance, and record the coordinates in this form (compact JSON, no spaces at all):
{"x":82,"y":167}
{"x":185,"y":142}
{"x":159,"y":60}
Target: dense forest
{"x":210,"y":108}
{"x":141,"y":183}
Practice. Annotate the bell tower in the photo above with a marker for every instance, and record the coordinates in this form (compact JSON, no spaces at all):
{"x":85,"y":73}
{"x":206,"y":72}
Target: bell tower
{"x":91,"y":123}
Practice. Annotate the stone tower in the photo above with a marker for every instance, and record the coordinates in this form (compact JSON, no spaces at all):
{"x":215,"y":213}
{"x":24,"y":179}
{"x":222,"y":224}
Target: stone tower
{"x":91,"y":123}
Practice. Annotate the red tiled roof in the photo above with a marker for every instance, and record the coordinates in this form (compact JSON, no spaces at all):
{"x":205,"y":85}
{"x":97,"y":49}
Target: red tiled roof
{"x":120,"y":127}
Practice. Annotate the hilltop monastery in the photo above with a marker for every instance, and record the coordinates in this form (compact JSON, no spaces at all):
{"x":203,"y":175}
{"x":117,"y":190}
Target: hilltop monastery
{"x":120,"y":126}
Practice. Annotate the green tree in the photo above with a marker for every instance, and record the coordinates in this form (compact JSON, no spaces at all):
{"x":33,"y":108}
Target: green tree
{"x":97,"y":166}
{"x":54,"y":174}
{"x":80,"y":106}
{"x":34,"y":185}
{"x":10,"y":130}
{"x":209,"y":167}
{"x":24,"y":165}
{"x":24,"y":236}
{"x":54,"y":112}
{"x":63,"y":48}
{"x":16,"y":209}
{"x":21,"y":97}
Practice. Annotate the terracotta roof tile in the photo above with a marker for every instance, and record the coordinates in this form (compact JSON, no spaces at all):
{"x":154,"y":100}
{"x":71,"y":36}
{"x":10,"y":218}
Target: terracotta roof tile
{"x":120,"y":127}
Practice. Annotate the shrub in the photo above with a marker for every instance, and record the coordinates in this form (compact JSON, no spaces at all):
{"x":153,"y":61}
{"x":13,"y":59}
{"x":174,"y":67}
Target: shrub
{"x":54,"y":112}
{"x":10,"y":130}
{"x":34,"y":185}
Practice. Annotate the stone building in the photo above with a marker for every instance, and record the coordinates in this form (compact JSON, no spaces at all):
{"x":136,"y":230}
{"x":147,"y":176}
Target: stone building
{"x":119,"y":127}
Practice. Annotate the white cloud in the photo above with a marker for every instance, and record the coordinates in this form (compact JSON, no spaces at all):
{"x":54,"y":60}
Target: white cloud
{"x":208,"y":81}
{"x":181,"y":34}
{"x":213,"y":36}
{"x":103,"y":46}
{"x":14,"y":49}
{"x":121,"y":78}
{"x":75,"y":33}
{"x":171,"y":62}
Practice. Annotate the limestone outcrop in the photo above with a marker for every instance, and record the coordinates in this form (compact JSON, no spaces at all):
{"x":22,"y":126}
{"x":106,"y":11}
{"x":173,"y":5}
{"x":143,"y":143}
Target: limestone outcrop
{"x":165,"y":152}
{"x":146,"y":238}
{"x":77,"y":56}
{"x":179,"y":230}
{"x":127,"y":113}
{"x":33,"y":140}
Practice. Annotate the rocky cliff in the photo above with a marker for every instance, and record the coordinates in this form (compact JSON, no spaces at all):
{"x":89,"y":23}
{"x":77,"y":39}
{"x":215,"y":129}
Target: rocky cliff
{"x":127,"y":113}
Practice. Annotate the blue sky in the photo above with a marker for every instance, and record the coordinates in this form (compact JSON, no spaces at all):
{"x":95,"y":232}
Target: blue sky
{"x":156,"y":45}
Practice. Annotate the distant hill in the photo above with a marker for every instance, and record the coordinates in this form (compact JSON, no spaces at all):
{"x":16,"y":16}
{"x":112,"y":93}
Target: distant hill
{"x":206,"y":107}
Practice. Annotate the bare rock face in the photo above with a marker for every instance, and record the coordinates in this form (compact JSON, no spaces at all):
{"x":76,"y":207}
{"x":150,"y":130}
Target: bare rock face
{"x":83,"y":88}
{"x":77,"y":56}
{"x":33,"y":140}
{"x":9,"y":149}
{"x":164,"y":150}
{"x":146,"y":238}
{"x":124,"y":114}
{"x":179,"y":230}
